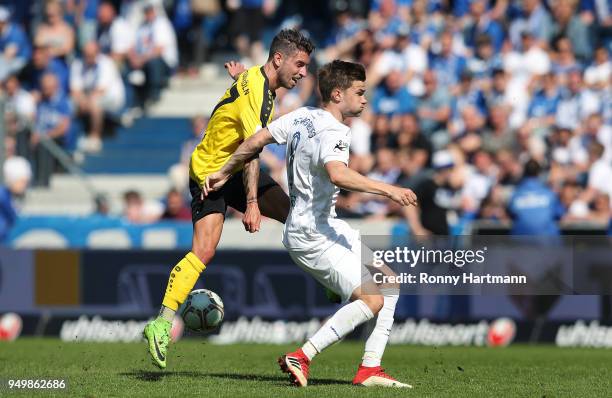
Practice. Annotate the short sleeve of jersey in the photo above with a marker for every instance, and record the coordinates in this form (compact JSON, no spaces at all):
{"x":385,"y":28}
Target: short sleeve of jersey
{"x":281,"y":126}
{"x":334,"y":147}
{"x":260,"y":107}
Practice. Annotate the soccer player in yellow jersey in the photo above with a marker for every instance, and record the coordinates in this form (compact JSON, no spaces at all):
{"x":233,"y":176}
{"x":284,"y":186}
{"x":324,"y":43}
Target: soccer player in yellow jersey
{"x":246,"y":107}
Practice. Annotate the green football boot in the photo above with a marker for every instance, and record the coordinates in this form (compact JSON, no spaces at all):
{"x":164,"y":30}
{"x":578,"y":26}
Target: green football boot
{"x":157,"y":333}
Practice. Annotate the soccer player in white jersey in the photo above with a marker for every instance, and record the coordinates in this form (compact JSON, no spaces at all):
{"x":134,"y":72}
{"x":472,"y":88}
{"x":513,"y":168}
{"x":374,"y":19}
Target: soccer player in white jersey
{"x":324,"y":246}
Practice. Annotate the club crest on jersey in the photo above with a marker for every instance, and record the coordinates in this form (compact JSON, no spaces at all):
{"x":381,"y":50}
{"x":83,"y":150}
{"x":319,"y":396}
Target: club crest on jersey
{"x":341,"y":146}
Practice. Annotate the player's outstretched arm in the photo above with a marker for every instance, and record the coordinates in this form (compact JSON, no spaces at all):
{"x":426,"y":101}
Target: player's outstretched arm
{"x":253,"y":145}
{"x":346,"y":178}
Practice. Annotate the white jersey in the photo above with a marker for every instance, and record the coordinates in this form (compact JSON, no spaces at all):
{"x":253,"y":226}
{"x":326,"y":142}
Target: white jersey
{"x":313,"y":137}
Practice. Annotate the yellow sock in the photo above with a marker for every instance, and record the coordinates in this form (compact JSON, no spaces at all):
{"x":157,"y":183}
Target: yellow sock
{"x":182,"y":279}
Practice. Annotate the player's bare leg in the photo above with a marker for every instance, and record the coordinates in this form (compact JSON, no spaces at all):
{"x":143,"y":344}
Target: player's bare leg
{"x":206,"y":235}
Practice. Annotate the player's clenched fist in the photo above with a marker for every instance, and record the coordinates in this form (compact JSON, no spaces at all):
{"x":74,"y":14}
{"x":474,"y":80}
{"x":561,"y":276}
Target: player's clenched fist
{"x":403,"y":196}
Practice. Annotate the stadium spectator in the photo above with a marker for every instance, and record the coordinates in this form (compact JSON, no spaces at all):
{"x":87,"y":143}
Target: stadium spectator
{"x":406,"y":57}
{"x":534,"y":19}
{"x":386,"y":170}
{"x":544,"y":102}
{"x":467,"y":131}
{"x":484,"y":60}
{"x":570,"y":24}
{"x":498,"y":134}
{"x":386,"y":20}
{"x":481,"y":23}
{"x":101,"y":205}
{"x":434,"y":109}
{"x":563,"y":60}
{"x":17,"y":174}
{"x":493,"y":207}
{"x":153,"y":56}
{"x":15,"y":49}
{"x":19,"y":115}
{"x":42,"y":63}
{"x":84,"y":19}
{"x":207,"y":19}
{"x":176,"y":209}
{"x":344,"y":36}
{"x":577,"y":102}
{"x":436,"y":197}
{"x":52,"y":123}
{"x":468,"y":95}
{"x":534,"y":208}
{"x":138,"y":211}
{"x":392,"y":99}
{"x":248,"y":22}
{"x":511,"y":95}
{"x":597,"y":76}
{"x":414,"y":152}
{"x":600,"y":173}
{"x":114,"y":35}
{"x":55,"y":34}
{"x":478,"y":183}
{"x":447,"y":63}
{"x":97,"y":92}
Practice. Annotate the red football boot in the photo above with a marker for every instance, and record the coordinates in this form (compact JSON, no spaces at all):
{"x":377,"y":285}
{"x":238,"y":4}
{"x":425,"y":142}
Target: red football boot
{"x":296,"y":364}
{"x":376,"y":376}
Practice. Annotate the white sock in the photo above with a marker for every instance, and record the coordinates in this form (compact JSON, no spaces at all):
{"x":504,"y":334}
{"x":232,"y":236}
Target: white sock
{"x":344,"y":321}
{"x":375,"y":346}
{"x":167,"y":313}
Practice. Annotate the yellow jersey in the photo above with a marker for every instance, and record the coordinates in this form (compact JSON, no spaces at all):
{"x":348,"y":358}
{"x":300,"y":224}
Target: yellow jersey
{"x":246,"y":107}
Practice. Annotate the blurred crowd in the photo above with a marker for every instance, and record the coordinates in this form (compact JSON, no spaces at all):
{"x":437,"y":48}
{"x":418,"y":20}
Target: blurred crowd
{"x":71,"y":71}
{"x":491,"y":110}
{"x":497,"y":111}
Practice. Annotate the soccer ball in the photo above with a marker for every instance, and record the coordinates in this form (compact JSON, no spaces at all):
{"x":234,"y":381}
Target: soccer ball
{"x":202,"y":311}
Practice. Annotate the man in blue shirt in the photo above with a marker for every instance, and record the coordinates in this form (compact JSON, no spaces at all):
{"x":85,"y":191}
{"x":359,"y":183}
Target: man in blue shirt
{"x":17,"y":173}
{"x":392,"y":97}
{"x":42,"y":63}
{"x":52,"y":123}
{"x":15,"y":51}
{"x":447,"y":65}
{"x":482,"y":23}
{"x":534,"y":207}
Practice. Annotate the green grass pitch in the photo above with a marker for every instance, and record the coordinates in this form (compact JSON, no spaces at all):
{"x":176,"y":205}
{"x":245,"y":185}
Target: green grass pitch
{"x":197,"y":368}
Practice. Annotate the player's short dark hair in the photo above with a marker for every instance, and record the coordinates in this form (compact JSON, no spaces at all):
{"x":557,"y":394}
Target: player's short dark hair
{"x":288,"y":41}
{"x":532,"y":169}
{"x":339,"y":74}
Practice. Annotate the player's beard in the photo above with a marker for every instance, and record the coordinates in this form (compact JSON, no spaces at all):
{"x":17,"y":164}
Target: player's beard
{"x":288,"y":81}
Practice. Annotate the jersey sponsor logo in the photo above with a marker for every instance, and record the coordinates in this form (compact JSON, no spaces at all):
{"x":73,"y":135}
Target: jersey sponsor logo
{"x":341,"y":146}
{"x":245,"y":82}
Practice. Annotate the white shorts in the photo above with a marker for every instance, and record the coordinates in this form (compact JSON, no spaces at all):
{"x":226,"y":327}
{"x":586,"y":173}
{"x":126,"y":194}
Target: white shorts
{"x":337,"y":265}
